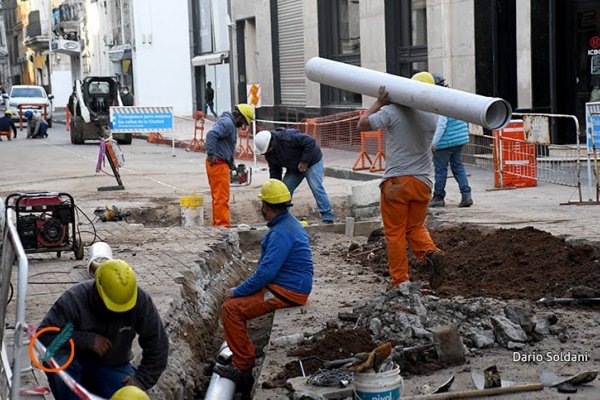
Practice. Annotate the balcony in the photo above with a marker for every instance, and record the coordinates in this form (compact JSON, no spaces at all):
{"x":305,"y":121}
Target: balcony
{"x":36,"y":33}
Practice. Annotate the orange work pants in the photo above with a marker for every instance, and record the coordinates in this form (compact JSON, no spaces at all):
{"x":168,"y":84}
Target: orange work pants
{"x":219,"y":181}
{"x":237,"y":311}
{"x":404,"y":203}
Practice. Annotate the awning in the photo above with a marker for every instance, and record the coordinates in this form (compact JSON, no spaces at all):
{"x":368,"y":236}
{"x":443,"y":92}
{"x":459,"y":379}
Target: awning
{"x":207,"y":59}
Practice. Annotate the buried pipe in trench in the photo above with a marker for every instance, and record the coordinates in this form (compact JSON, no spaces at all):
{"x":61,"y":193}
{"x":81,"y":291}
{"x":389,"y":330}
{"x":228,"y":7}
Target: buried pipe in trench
{"x":221,"y":388}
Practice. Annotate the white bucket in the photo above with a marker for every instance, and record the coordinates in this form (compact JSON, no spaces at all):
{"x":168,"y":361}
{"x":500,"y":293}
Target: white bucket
{"x":99,"y":252}
{"x":192,"y":210}
{"x":378,"y":386}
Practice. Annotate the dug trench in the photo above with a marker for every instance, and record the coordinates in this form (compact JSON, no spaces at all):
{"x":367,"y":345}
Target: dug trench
{"x":494,"y":278}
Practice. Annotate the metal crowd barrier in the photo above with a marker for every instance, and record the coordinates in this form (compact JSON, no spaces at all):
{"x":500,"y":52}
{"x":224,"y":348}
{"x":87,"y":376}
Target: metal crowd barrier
{"x":12,"y":253}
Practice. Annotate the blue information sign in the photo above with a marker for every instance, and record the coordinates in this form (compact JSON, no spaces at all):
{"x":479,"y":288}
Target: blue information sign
{"x":595,"y":131}
{"x":141,"y":119}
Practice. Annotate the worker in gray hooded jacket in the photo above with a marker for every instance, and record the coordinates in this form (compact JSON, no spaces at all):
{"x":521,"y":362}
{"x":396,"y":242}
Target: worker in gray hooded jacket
{"x":106,"y":315}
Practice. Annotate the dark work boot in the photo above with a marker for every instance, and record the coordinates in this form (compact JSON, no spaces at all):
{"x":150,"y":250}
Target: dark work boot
{"x":437,"y":201}
{"x":437,"y":269}
{"x":466,"y":201}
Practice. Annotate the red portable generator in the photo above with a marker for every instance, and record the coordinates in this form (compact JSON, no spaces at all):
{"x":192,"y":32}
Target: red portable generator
{"x":46,"y":222}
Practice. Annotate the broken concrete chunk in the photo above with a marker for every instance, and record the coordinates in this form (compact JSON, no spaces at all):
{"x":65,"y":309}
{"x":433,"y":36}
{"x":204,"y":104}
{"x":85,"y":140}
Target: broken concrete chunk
{"x":375,"y":326}
{"x":418,"y":332}
{"x":515,"y":345}
{"x":520,"y":315}
{"x":541,"y":326}
{"x":482,"y":340}
{"x":507,"y":331}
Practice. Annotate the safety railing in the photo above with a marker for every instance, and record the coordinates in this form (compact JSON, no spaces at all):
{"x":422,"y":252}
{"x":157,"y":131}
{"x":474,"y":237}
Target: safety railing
{"x":12,"y":253}
{"x":32,"y":107}
{"x":554,"y":163}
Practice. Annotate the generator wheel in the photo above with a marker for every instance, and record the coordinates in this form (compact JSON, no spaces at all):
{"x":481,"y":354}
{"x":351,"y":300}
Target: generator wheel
{"x":78,"y":249}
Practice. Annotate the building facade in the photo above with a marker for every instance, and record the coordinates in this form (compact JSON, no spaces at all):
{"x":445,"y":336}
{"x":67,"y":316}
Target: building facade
{"x":541,"y":56}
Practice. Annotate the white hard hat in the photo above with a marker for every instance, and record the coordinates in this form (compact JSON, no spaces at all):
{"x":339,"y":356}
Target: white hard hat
{"x":261,"y":141}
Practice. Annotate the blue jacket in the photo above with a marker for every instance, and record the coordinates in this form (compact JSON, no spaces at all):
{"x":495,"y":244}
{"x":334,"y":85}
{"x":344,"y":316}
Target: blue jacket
{"x":285,"y":258}
{"x":290,"y":146}
{"x":450,"y":132}
{"x":222,"y":138}
{"x":6,"y":124}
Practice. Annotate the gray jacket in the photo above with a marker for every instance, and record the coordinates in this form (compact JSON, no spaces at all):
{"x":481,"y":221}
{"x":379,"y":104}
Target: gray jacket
{"x":83,"y":307}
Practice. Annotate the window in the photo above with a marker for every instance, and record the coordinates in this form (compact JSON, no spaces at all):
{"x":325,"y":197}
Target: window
{"x":339,"y":40}
{"x":406,"y":36}
{"x":27,"y":92}
{"x":203,"y":29}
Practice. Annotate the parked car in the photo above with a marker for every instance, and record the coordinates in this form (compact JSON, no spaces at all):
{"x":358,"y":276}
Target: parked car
{"x":89,"y":105}
{"x":29,"y":94}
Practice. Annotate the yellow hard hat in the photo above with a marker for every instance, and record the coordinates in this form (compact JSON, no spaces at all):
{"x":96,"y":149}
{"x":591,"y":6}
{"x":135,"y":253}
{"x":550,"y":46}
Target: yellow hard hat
{"x":274,"y":192}
{"x":8,"y":112}
{"x":116,"y":283}
{"x":247,"y":111}
{"x":424,"y":77}
{"x":130,"y":393}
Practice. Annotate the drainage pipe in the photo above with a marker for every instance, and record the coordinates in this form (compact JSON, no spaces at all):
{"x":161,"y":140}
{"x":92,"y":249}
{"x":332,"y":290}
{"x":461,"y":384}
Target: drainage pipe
{"x":221,"y":388}
{"x":491,"y":113}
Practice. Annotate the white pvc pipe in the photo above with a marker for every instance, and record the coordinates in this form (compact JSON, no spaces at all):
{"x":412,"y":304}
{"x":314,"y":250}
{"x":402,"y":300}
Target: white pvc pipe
{"x":489,"y":112}
{"x":221,"y":388}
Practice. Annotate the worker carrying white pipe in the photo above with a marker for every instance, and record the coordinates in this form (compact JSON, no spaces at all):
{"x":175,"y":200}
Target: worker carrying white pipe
{"x":406,"y":185}
{"x":283,"y":278}
{"x":106,"y":314}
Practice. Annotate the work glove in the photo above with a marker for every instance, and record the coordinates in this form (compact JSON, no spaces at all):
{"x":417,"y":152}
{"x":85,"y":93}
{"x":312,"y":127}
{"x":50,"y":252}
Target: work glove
{"x":365,"y":361}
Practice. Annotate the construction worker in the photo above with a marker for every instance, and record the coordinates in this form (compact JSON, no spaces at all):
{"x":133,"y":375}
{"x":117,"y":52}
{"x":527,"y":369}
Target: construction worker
{"x":283,"y":278}
{"x":220,"y":154}
{"x":7,"y":124}
{"x":37,"y":127}
{"x":450,"y":136}
{"x":301,"y":157}
{"x":130,"y":393}
{"x":106,"y":314}
{"x":406,"y":186}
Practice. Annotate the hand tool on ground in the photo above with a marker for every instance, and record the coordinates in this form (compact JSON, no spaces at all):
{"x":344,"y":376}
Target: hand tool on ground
{"x":550,"y":301}
{"x":446,"y":342}
{"x":549,"y":378}
{"x":372,"y":359}
{"x":469,"y":394}
{"x":480,"y":382}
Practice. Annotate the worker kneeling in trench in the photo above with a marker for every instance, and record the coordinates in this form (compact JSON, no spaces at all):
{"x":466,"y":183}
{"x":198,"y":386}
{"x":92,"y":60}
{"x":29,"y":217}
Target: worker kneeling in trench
{"x":106,"y":315}
{"x":283,"y":278}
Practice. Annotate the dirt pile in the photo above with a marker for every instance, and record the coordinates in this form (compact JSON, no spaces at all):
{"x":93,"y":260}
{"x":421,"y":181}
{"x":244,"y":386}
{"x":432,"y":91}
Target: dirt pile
{"x":507,"y":263}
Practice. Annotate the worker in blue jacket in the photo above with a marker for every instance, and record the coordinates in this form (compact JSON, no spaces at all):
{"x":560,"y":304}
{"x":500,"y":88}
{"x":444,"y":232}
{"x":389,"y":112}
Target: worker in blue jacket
{"x":7,"y":124}
{"x":299,"y":154}
{"x":283,"y":278}
{"x":449,"y":138}
{"x":220,"y":155}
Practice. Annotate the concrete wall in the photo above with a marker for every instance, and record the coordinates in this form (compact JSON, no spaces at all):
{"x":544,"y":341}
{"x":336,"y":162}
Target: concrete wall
{"x":161,"y":62}
{"x":96,"y":30}
{"x":372,"y":39}
{"x":311,"y":49}
{"x":524,"y":84}
{"x":61,"y":81}
{"x":260,"y":10}
{"x":451,"y":41}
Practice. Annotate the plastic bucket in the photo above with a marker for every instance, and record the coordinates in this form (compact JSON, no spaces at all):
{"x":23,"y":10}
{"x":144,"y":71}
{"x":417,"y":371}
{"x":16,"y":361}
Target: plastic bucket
{"x":378,"y":386}
{"x":99,"y":252}
{"x":192,"y":210}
